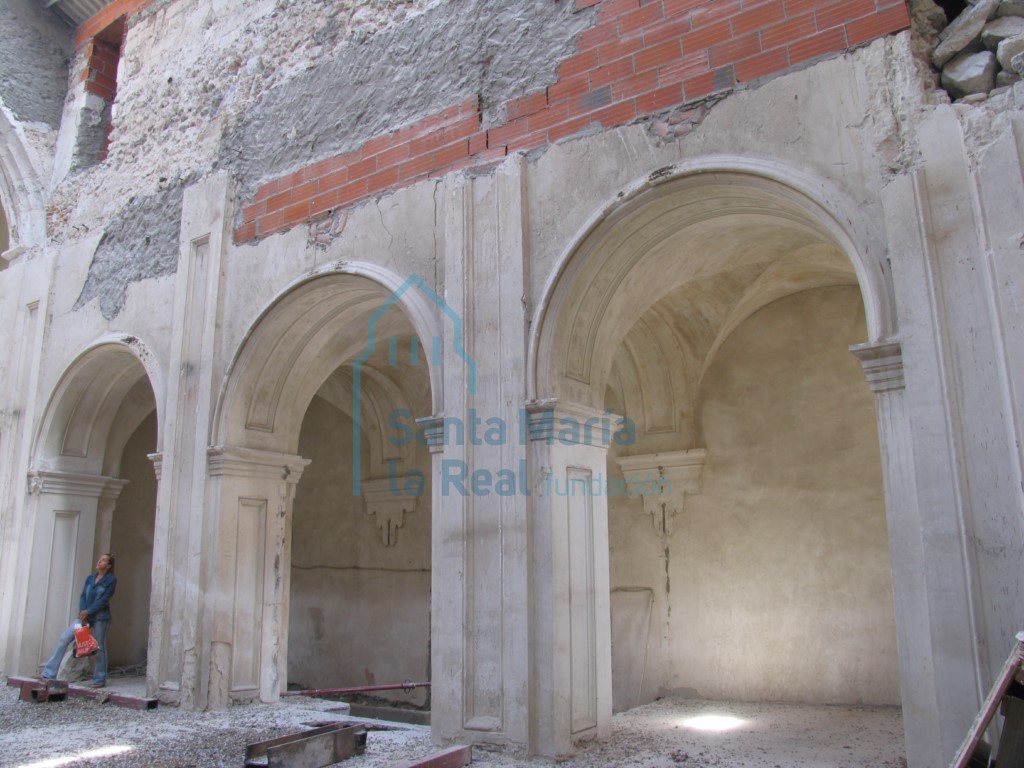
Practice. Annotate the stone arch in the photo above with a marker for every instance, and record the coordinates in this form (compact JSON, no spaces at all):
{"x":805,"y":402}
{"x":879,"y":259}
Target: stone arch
{"x":78,"y":431}
{"x":579,"y":304}
{"x":100,"y":402}
{"x":634,"y":319}
{"x":262,"y":392}
{"x":337,"y":351}
{"x":22,"y":194}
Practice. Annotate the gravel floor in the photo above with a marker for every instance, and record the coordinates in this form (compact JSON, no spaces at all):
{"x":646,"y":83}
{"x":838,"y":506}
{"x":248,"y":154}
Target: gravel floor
{"x":664,"y":734}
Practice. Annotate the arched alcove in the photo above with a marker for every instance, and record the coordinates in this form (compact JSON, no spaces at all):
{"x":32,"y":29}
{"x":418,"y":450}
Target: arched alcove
{"x":713,"y":306}
{"x":99,"y":427}
{"x":330,"y":381}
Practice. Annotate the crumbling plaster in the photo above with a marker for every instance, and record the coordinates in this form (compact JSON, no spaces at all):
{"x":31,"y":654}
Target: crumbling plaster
{"x":33,"y":62}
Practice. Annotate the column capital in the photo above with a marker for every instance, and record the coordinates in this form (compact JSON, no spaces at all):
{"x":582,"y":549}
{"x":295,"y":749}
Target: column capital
{"x":883,"y":364}
{"x":158,"y":464}
{"x":570,"y":423}
{"x":72,"y":483}
{"x":432,"y":428}
{"x":232,"y":461}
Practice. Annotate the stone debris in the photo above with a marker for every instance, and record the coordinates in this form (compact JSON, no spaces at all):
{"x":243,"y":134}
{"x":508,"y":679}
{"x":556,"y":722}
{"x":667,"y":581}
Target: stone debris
{"x":1008,"y":54}
{"x":970,"y":73}
{"x":656,"y":735}
{"x":981,"y":49}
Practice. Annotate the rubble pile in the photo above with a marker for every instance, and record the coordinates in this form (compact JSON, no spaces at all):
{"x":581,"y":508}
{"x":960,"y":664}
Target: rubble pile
{"x":983,"y":48}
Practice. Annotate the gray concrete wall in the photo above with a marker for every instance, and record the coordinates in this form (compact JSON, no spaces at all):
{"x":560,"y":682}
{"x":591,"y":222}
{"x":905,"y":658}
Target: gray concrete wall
{"x":360,"y":611}
{"x":33,"y":62}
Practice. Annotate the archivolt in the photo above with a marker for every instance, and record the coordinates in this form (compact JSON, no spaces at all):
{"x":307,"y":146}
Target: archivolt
{"x":99,"y":401}
{"x":21,"y":191}
{"x":758,"y":229}
{"x":313,"y":326}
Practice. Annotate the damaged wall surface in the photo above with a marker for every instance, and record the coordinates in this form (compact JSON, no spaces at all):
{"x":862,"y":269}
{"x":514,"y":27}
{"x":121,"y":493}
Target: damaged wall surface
{"x":562,"y":354}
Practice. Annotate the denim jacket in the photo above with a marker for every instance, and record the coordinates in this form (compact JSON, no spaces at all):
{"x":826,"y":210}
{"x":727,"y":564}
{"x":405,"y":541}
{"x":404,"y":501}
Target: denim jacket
{"x":96,"y":596}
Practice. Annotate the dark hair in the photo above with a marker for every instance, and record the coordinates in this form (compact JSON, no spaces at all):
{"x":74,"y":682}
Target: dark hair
{"x":110,"y":559}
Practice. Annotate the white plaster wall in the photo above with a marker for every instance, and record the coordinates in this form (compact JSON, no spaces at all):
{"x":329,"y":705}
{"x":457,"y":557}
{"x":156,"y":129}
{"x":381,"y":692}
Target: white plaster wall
{"x":783,"y":589}
{"x":359,"y":611}
{"x":774,"y":584}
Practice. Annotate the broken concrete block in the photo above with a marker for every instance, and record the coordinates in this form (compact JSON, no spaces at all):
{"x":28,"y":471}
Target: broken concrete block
{"x":1000,"y":29}
{"x":1010,"y":8}
{"x":964,"y":31}
{"x":970,"y":73}
{"x":1017,"y":63}
{"x":1007,"y":49}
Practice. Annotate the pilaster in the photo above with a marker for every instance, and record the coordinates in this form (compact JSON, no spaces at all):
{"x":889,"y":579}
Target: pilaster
{"x":572,"y":691}
{"x":480,"y":599}
{"x":178,"y":650}
{"x":251,"y":493}
{"x":65,"y":507}
{"x":883,"y":367}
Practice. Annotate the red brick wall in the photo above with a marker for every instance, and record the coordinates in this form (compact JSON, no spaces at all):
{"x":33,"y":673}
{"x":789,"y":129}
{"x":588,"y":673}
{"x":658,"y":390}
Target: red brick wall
{"x":94,"y":26}
{"x":640,"y":57}
{"x":100,"y":72}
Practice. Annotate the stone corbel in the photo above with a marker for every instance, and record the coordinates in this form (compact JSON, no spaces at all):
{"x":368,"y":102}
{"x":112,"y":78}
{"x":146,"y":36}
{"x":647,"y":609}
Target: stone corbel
{"x":387,"y":507}
{"x":432,"y":430}
{"x":663,"y":481}
{"x":883,"y":364}
{"x":75,"y":484}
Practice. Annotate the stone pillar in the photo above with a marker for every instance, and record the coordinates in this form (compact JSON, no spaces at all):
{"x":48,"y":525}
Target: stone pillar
{"x":246,"y":604}
{"x":182,"y":528}
{"x":65,"y":507}
{"x":883,"y":366}
{"x":480,"y":602}
{"x":954,"y":248}
{"x":571,"y":670}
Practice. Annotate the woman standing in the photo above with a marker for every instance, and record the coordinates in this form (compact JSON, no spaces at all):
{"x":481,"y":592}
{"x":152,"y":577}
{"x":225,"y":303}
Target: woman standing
{"x":94,"y":610}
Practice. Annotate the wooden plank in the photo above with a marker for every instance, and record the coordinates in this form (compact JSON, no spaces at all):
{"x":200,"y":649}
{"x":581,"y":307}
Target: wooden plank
{"x":455,"y":757}
{"x":988,"y":709}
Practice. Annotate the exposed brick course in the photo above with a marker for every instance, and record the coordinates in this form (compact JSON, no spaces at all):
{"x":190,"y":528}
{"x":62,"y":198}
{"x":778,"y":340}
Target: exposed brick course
{"x":94,"y":26}
{"x":639,"y":58}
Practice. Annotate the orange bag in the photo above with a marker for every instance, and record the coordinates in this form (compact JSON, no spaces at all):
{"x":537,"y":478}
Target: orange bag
{"x":85,"y":643}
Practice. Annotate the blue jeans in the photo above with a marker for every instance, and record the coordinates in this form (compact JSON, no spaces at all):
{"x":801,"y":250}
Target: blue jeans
{"x":99,"y":632}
